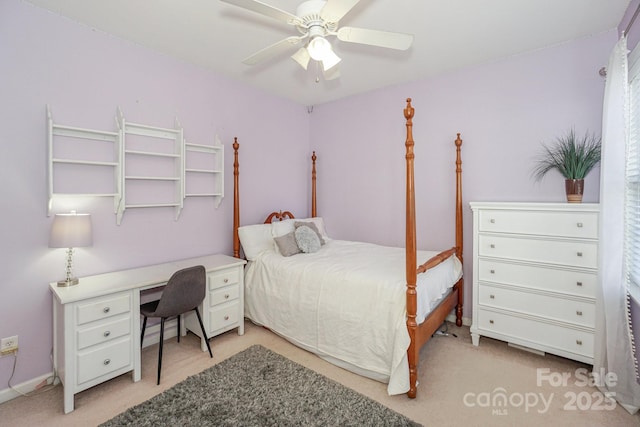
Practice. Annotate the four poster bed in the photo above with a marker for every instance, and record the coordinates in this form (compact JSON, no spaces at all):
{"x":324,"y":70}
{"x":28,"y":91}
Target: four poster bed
{"x":364,"y":307}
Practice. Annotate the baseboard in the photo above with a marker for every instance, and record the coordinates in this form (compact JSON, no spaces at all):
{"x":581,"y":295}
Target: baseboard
{"x":151,"y":337}
{"x":26,"y":387}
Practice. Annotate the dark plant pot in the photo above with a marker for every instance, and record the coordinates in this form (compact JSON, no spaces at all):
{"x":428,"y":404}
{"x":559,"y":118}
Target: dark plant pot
{"x":574,"y":188}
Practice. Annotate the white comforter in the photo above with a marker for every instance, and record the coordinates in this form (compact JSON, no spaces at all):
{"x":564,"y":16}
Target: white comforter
{"x":346,"y":303}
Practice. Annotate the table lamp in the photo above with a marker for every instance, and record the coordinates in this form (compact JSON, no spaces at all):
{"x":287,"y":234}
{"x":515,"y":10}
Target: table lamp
{"x":70,"y":230}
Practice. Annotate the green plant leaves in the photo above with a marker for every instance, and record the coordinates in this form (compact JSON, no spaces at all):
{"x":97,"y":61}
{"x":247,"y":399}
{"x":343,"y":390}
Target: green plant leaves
{"x":572,"y":157}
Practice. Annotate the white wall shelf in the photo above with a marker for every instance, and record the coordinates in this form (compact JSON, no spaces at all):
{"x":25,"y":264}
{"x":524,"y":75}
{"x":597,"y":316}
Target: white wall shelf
{"x":140,"y":166}
{"x":72,"y":151}
{"x":150,"y":155}
{"x":204,"y":170}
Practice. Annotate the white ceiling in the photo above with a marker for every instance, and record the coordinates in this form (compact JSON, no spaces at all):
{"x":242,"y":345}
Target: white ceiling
{"x":449,"y":34}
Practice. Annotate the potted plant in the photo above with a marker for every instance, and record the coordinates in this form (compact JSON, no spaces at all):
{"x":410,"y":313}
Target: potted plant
{"x":573,"y":157}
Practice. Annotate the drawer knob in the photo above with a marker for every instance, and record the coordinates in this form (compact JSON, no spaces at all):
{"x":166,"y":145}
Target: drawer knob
{"x":579,"y":254}
{"x":579,"y":342}
{"x":578,"y":283}
{"x":492,"y":296}
{"x":579,"y":225}
{"x":492,"y":221}
{"x":106,"y":362}
{"x":492,"y":246}
{"x":226,"y":317}
{"x":106,"y":310}
{"x":579,"y":312}
{"x":106,"y":333}
{"x":226,"y":296}
{"x":491,"y":321}
{"x":492,"y":271}
{"x":226,"y":280}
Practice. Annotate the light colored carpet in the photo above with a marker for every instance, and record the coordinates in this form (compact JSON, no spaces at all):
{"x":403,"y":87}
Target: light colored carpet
{"x":453,"y":374}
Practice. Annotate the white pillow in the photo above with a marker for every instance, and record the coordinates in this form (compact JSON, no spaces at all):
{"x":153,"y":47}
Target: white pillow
{"x":280,"y":228}
{"x":255,"y":239}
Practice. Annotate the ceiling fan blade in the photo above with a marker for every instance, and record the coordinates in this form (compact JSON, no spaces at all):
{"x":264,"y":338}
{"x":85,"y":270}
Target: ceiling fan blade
{"x":273,"y":50}
{"x":332,"y":73}
{"x":399,"y":41}
{"x":302,"y":57}
{"x":267,"y":10}
{"x":334,"y":10}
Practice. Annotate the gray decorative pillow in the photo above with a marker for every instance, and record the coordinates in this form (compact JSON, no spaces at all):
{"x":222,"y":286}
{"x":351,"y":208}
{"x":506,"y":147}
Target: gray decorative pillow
{"x":312,"y":226}
{"x":287,"y":244}
{"x":308,"y":241}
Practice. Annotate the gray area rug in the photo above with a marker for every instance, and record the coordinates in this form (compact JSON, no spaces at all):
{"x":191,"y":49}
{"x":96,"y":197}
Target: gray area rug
{"x":258,"y":387}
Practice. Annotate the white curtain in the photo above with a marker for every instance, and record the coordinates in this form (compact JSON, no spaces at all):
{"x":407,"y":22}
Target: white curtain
{"x":613,"y":348}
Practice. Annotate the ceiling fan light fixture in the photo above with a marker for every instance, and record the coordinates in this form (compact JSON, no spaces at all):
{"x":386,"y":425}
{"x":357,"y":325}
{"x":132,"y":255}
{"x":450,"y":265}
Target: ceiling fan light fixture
{"x":330,"y":60}
{"x":319,"y":48}
{"x":301,"y":57}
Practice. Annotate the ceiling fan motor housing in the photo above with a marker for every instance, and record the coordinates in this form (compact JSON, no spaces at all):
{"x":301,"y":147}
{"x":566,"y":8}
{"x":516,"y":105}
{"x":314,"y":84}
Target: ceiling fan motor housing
{"x":310,"y":13}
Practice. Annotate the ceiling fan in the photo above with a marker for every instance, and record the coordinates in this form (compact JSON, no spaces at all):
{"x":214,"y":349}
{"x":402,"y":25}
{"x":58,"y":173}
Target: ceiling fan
{"x":315,"y":20}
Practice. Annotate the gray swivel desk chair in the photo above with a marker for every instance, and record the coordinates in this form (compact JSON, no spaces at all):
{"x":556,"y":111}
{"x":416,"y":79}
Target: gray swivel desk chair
{"x":184,"y":291}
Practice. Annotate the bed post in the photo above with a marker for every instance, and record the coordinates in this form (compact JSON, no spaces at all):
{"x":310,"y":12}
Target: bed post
{"x":459,"y":245}
{"x":313,"y":185}
{"x":236,"y":199}
{"x":412,"y":304}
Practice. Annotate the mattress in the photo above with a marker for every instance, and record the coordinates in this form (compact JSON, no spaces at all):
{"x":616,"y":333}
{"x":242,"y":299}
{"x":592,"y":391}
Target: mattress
{"x":346,"y":303}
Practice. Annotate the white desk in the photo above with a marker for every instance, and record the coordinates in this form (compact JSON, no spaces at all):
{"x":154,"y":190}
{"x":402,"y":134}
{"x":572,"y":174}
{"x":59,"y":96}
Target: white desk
{"x":96,"y":324}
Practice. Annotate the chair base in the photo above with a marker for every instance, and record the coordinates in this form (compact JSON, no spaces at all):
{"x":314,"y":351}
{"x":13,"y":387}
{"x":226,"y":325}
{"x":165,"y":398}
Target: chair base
{"x":160,"y":344}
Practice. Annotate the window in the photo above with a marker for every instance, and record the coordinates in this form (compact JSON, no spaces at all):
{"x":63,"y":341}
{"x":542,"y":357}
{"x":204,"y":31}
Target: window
{"x":632,"y":181}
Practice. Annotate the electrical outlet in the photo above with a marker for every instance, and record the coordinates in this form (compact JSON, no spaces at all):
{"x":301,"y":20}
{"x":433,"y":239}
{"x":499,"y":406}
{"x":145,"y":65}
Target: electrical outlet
{"x":8,"y":345}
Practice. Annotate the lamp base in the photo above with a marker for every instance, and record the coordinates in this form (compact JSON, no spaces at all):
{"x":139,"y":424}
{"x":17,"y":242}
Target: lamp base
{"x":69,"y":282}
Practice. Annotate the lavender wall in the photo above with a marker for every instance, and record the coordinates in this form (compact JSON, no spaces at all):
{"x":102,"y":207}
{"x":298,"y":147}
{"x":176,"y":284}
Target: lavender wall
{"x":504,"y":110}
{"x":84,"y":75}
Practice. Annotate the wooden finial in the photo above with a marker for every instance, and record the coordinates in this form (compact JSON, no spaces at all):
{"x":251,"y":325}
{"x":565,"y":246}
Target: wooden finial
{"x":408,"y":112}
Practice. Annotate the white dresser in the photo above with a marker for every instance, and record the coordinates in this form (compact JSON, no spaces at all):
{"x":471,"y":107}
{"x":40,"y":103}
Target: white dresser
{"x":535,"y":276}
{"x":96,"y":324}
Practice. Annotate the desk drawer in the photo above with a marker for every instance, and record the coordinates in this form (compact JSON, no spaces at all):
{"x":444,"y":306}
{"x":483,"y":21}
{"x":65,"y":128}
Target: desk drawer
{"x":102,"y":308}
{"x":225,"y":294}
{"x":541,"y":333}
{"x":223,"y":316}
{"x":560,"y":252}
{"x":224,"y":278}
{"x":567,"y":281}
{"x":103,"y":332}
{"x":561,"y":224}
{"x":103,"y":360}
{"x":550,"y":307}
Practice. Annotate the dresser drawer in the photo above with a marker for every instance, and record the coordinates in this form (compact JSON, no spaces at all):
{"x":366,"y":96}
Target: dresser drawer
{"x":103,"y":360}
{"x":547,"y":306}
{"x":571,"y":282}
{"x":103,"y":331}
{"x":224,"y":278}
{"x":223,"y":295}
{"x":102,"y":308}
{"x":223,"y":316}
{"x":560,"y":252}
{"x":545,"y":334}
{"x":544,"y":223}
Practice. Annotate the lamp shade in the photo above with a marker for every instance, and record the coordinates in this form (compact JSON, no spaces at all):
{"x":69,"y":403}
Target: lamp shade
{"x":71,"y":230}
